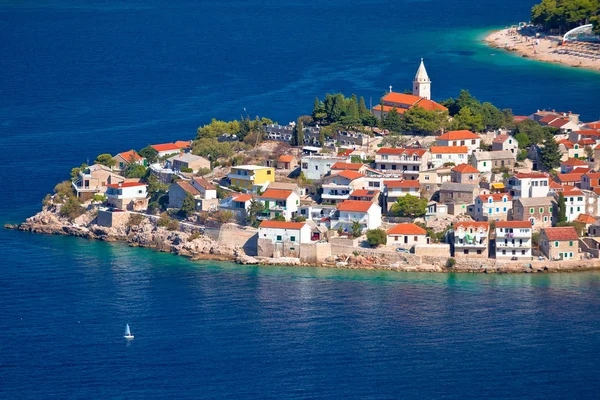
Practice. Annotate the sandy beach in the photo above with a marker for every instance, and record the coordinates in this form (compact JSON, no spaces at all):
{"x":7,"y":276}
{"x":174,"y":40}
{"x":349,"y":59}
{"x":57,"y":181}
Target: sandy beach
{"x":548,"y":48}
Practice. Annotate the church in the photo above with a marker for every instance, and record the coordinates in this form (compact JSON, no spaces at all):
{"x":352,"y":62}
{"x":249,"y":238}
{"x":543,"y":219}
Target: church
{"x":420,"y":97}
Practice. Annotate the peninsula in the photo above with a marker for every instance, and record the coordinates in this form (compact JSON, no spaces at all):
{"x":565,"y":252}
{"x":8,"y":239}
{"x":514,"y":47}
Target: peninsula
{"x":410,"y":185}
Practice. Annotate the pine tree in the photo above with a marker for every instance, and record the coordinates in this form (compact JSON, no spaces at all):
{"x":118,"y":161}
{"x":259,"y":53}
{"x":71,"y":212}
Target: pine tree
{"x":550,"y":154}
{"x":562,"y":209}
{"x":363,"y":111}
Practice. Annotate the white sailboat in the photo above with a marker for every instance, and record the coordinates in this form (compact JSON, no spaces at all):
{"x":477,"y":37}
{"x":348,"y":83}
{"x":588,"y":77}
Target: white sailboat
{"x":128,"y":334}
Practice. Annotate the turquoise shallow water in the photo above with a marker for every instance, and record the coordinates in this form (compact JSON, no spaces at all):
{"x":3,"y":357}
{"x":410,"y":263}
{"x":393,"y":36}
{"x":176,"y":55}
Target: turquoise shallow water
{"x":77,"y":80}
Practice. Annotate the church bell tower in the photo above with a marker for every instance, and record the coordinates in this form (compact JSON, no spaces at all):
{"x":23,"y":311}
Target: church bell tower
{"x":422,"y":83}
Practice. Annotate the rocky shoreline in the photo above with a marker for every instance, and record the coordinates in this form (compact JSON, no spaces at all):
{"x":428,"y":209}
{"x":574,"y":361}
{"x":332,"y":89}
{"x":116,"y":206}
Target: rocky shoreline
{"x":197,"y":246}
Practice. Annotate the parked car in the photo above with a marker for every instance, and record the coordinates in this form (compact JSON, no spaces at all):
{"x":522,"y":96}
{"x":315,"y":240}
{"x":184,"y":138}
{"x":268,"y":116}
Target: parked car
{"x":401,"y":250}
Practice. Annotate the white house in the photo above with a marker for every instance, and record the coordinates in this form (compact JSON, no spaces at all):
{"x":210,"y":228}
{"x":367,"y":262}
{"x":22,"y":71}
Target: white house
{"x":399,"y":188}
{"x":505,"y":142}
{"x":513,"y":239}
{"x":367,"y":213}
{"x":406,"y":235}
{"x":572,"y":164}
{"x":166,"y":149}
{"x":488,"y":161}
{"x":534,"y":184}
{"x":316,"y":166}
{"x":207,"y":190}
{"x":408,"y":162}
{"x":279,"y":202}
{"x":441,"y":155}
{"x":127,"y":195}
{"x":460,"y":138}
{"x":237,"y":203}
{"x":574,"y":202}
{"x":338,"y":186}
{"x":284,"y":232}
{"x":491,"y":207}
{"x":470,"y":239}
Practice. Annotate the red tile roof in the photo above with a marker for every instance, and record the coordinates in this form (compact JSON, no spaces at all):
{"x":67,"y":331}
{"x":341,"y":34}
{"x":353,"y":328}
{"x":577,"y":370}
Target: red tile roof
{"x":449,"y":149}
{"x":205,"y":183}
{"x":354,"y":205}
{"x":286,"y":158}
{"x":585,"y":219}
{"x":567,"y":143}
{"x":349,"y":166}
{"x":458,"y":135}
{"x":346,"y":152}
{"x":549,"y":118}
{"x":495,"y":197}
{"x":279,"y":194}
{"x":594,"y":125}
{"x":364,"y":193}
{"x":409,"y":152}
{"x":501,"y":138}
{"x":465,"y":169}
{"x":561,"y":233}
{"x":572,"y":177}
{"x":587,"y":142}
{"x":559,"y":123}
{"x":185,"y":185}
{"x":165,"y":147}
{"x":183,"y":144}
{"x":351,"y":175}
{"x":389,"y":108}
{"x":401,"y":98}
{"x":513,"y":224}
{"x":241,"y":197}
{"x":430,"y":105}
{"x":282,"y":225}
{"x":472,"y":224}
{"x":519,"y":118}
{"x":125,"y":184}
{"x":131,"y":154}
{"x":588,"y":132}
{"x":573,"y":162}
{"x":406,"y":229}
{"x":572,"y":192}
{"x":402,"y":184}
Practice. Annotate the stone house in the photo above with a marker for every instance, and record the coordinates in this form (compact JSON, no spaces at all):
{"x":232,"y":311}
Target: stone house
{"x":505,"y":142}
{"x":560,"y":243}
{"x":457,"y":196}
{"x":491,"y":207}
{"x":490,"y":161}
{"x":537,"y":210}
{"x":465,"y":173}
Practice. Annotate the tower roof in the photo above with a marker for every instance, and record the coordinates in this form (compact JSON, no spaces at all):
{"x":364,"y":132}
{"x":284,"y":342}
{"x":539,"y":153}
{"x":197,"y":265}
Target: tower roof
{"x":421,"y":75}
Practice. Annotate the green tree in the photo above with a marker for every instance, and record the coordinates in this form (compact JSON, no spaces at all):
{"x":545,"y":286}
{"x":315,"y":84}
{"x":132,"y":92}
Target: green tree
{"x":410,"y":206}
{"x":71,"y":209}
{"x":466,"y":119}
{"x":217,"y":128}
{"x":550,"y":154}
{"x":562,"y":209}
{"x":256,"y":207}
{"x":134,"y":171}
{"x":393,"y":121}
{"x":523,"y":140}
{"x":105,"y":159}
{"x":492,"y":117}
{"x":318,"y":113}
{"x":376,"y":237}
{"x":188,"y":206}
{"x":298,"y":135}
{"x":356,"y":229}
{"x":149,"y":154}
{"x":534,"y":131}
{"x":425,"y":122}
{"x":75,"y":171}
{"x":363,"y":111}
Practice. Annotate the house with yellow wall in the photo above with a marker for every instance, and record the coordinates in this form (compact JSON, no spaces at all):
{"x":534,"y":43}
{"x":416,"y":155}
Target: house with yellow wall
{"x":251,"y":177}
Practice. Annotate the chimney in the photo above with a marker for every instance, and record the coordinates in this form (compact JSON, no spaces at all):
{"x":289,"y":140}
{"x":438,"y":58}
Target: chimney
{"x":120,"y":184}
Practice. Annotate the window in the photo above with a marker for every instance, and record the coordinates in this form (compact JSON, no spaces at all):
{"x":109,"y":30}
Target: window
{"x":504,"y":199}
{"x":478,"y":251}
{"x":396,"y":238}
{"x":304,"y":165}
{"x":292,"y":238}
{"x":571,"y":255}
{"x":504,"y":209}
{"x":550,"y":209}
{"x":484,"y":163}
{"x":316,"y":167}
{"x":555,"y":244}
{"x":570,"y":243}
{"x":426,"y":187}
{"x":545,"y":219}
{"x":279,"y":238}
{"x":497,"y":209}
{"x":541,"y":210}
{"x":269,"y":172}
{"x":531,"y":210}
{"x":473,"y":141}
{"x":504,"y":252}
{"x":426,"y":177}
{"x":490,"y":210}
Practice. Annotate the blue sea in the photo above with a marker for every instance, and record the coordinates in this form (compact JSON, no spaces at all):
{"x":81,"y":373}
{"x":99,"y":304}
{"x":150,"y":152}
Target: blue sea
{"x":82,"y":78}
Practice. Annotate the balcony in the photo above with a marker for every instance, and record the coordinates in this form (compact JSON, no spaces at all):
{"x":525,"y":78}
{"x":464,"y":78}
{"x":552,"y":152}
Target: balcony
{"x":471,"y":244}
{"x":524,"y":245}
{"x":338,"y":196}
{"x":241,"y":177}
{"x":510,"y":235}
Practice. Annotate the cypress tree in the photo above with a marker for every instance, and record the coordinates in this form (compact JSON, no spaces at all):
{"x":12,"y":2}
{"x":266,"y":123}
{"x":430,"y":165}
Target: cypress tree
{"x":562,"y":208}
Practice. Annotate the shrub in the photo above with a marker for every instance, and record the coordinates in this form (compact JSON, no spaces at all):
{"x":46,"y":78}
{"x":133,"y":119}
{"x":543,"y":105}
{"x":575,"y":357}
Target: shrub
{"x":203,"y":171}
{"x":375,"y":237}
{"x":193,"y":236}
{"x":279,"y":218}
{"x":163,"y":220}
{"x":71,"y":209}
{"x":135,"y":219}
{"x":186,"y":169}
{"x":173,"y":225}
{"x":299,"y":218}
{"x":47,"y":200}
{"x":223,"y":216}
{"x":450,"y":263}
{"x":64,"y":190}
{"x":99,"y":198}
